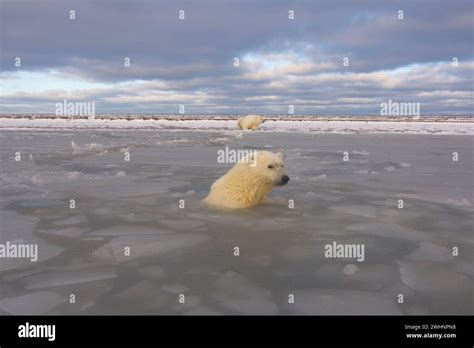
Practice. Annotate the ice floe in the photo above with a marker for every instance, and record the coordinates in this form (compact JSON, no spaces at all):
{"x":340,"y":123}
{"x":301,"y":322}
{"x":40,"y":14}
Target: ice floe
{"x":50,"y":279}
{"x":18,"y":228}
{"x":70,"y":232}
{"x":430,"y":252}
{"x":238,"y":293}
{"x":142,"y":246}
{"x":425,"y":277}
{"x":34,"y":303}
{"x":72,"y":220}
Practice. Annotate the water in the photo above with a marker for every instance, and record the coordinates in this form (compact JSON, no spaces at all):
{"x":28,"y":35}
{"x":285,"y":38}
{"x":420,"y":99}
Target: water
{"x":190,"y":251}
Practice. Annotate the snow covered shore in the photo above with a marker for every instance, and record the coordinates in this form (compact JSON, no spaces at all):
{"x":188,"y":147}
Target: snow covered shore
{"x":332,"y":126}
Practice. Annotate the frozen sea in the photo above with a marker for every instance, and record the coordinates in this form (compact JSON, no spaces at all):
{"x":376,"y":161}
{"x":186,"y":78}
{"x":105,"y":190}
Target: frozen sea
{"x":133,"y":206}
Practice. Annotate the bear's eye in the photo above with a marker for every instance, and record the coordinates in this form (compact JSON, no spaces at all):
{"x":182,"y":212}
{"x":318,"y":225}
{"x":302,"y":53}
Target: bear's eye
{"x":270,"y":166}
{"x":283,"y":166}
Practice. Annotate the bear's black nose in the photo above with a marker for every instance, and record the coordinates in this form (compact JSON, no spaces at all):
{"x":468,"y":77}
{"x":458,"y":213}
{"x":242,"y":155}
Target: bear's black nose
{"x":285,"y":179}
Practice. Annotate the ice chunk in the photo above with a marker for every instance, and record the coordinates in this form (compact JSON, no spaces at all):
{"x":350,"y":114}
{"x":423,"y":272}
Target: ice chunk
{"x":142,"y":246}
{"x":18,"y":228}
{"x":71,"y":232}
{"x":75,"y":148}
{"x":405,"y":164}
{"x":430,"y":252}
{"x":350,"y":269}
{"x":37,"y":179}
{"x":88,"y":148}
{"x":239,"y":294}
{"x":433,"y":278}
{"x":68,"y":277}
{"x":73,"y":220}
{"x":121,"y":187}
{"x":90,"y":293}
{"x":35,"y":303}
{"x":389,"y":169}
{"x":15,"y":226}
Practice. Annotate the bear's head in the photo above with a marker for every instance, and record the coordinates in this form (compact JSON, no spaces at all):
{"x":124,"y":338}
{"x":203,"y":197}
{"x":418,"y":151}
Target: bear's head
{"x":268,"y":167}
{"x":257,"y":119}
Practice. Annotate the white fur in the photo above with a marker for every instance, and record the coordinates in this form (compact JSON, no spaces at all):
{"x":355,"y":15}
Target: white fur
{"x":247,"y":184}
{"x":250,"y":122}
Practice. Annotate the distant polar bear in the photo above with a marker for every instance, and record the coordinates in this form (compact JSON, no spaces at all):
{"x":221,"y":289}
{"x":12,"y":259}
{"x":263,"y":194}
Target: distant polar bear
{"x":249,"y":182}
{"x":250,"y":122}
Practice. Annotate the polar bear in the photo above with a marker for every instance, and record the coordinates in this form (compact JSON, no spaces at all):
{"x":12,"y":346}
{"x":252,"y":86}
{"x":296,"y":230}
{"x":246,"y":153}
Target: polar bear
{"x":249,"y":182}
{"x":250,"y":122}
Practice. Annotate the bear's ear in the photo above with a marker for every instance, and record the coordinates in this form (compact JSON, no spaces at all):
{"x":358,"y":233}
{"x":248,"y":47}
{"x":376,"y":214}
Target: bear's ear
{"x":279,"y":154}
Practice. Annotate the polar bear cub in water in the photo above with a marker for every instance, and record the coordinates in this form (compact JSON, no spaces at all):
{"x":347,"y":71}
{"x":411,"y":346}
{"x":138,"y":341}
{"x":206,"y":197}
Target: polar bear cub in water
{"x":249,"y":182}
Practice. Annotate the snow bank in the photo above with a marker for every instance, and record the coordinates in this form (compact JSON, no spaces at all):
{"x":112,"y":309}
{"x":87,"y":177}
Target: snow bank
{"x":305,"y":126}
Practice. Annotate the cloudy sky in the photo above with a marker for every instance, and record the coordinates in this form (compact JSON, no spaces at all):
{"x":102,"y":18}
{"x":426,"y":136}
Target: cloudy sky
{"x":283,"y":62}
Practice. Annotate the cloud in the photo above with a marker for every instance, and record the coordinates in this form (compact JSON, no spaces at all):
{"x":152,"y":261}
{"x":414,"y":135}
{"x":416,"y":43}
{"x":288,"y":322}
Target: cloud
{"x":282,"y":61}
